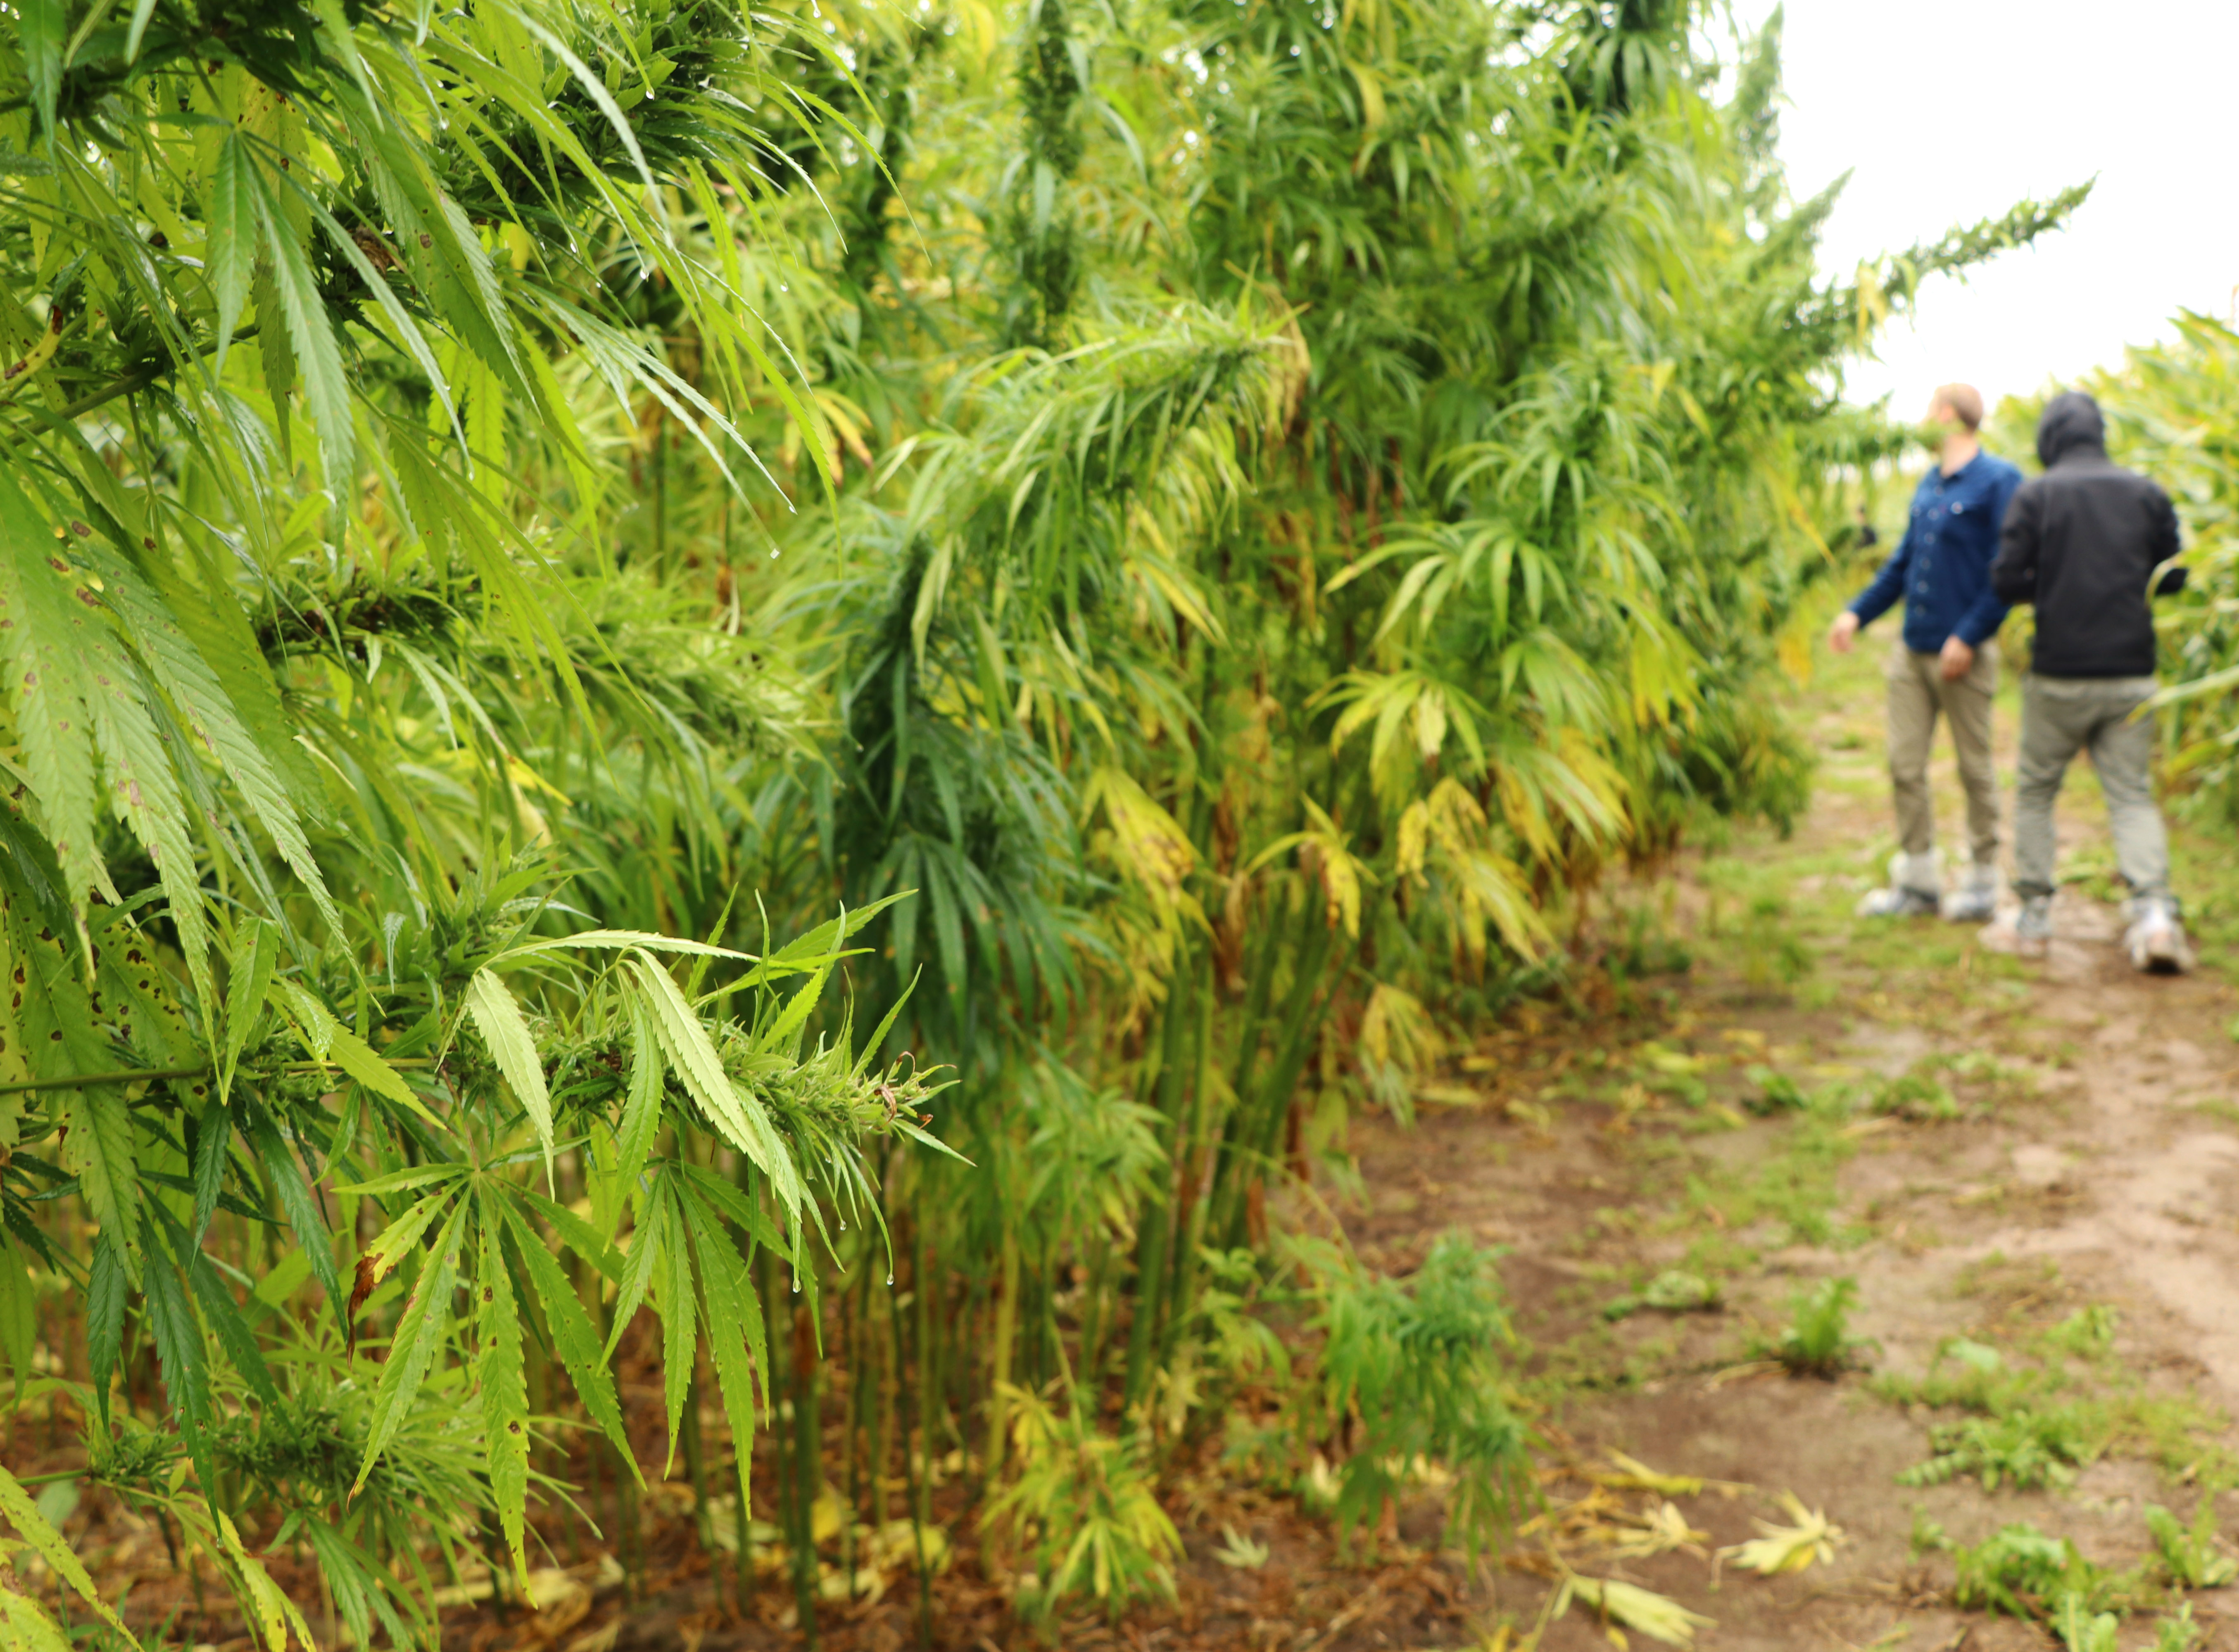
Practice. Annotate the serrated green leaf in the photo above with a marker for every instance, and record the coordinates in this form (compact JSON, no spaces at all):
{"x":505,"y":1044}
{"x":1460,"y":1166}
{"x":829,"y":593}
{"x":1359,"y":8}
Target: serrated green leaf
{"x":104,"y":1319}
{"x":232,"y":247}
{"x":737,"y":1114}
{"x":311,"y":337}
{"x":574,"y":1337}
{"x":19,"y":1312}
{"x":212,"y":1139}
{"x":575,"y":1233}
{"x":363,"y":1063}
{"x":504,"y":1385}
{"x":498,"y":1019}
{"x":680,"y":1331}
{"x":200,"y":647}
{"x":232,"y":1330}
{"x":245,"y":993}
{"x":142,"y":11}
{"x":394,"y":1243}
{"x":400,"y":1181}
{"x":794,"y":1016}
{"x":23,"y":1514}
{"x":295,"y":1201}
{"x":42,"y":633}
{"x":734,"y":1323}
{"x":602,"y":938}
{"x":178,"y":1351}
{"x":808,"y":952}
{"x":143,"y":789}
{"x":639,"y":1262}
{"x":642,"y":1109}
{"x":420,"y":1332}
{"x":43,"y":27}
{"x":99,"y":1149}
{"x":194,"y":657}
{"x":25,"y":1625}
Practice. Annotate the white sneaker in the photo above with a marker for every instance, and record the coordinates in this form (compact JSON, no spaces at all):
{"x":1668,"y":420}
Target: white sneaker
{"x":1975,"y":901}
{"x":1912,"y":893}
{"x":2156,"y":939}
{"x":1897,"y":901}
{"x":2033,"y":927}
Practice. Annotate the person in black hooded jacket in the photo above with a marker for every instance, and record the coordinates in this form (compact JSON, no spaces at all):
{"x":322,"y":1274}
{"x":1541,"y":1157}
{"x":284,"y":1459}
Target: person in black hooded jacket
{"x":2082,"y":542}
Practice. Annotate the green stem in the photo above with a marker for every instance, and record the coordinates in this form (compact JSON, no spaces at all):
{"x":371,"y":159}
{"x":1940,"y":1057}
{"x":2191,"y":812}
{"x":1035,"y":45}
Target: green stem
{"x":918,"y":1463}
{"x":808,"y":1467}
{"x":1154,"y":1248}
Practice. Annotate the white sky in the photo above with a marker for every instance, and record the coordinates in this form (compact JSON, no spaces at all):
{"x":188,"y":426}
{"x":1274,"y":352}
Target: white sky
{"x":1946,"y":113}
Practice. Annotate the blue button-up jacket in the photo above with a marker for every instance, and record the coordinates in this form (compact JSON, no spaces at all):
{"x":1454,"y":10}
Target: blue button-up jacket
{"x":1941,"y":569}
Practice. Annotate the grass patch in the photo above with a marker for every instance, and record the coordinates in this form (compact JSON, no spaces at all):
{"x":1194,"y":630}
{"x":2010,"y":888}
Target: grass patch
{"x":1794,"y":1189}
{"x":2060,"y":1399}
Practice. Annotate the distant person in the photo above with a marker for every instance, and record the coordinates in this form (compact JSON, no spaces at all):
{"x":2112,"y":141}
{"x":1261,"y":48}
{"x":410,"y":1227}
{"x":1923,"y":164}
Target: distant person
{"x":1868,"y":535}
{"x":1945,"y":661}
{"x":2082,"y":542}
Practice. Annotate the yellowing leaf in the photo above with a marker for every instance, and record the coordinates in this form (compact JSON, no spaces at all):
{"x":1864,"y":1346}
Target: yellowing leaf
{"x":1658,"y":1616}
{"x":23,"y":1514}
{"x":1631,"y":1474}
{"x":1787,"y":1548}
{"x":1659,"y":1530}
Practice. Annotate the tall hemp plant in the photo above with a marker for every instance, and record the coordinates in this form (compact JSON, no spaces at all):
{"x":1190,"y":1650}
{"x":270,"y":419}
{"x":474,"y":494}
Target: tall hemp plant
{"x":323,"y":1113}
{"x":1335,"y":482}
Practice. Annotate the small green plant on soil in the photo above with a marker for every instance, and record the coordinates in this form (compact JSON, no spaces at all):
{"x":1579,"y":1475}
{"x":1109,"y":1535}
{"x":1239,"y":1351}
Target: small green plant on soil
{"x":2027,"y":1450}
{"x":2022,"y":1572}
{"x":1083,"y":1510}
{"x":2032,"y":1420}
{"x":2179,"y":1633}
{"x":1914,"y":1097}
{"x":1793,"y":1188}
{"x":1983,"y":1072}
{"x":1771,"y":954}
{"x":2081,"y":1630}
{"x":1772,"y":1091}
{"x":1673,"y":1291}
{"x":2191,"y":1554}
{"x":1410,"y":1373}
{"x":1817,"y":1341}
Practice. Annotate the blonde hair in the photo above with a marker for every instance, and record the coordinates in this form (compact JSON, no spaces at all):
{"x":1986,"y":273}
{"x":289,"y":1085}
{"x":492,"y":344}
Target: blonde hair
{"x":1965,"y":403}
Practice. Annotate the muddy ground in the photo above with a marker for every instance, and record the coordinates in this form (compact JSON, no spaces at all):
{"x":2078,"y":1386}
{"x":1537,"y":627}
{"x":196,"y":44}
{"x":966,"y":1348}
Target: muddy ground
{"x":2096,"y":1164}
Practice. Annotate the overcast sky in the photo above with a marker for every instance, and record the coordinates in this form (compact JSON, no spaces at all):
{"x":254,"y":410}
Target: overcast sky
{"x":1945,"y":113}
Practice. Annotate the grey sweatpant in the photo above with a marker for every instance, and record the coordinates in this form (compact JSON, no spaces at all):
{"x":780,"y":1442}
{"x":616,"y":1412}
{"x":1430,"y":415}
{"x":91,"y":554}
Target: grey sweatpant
{"x":1916,"y":693}
{"x":2061,"y":716}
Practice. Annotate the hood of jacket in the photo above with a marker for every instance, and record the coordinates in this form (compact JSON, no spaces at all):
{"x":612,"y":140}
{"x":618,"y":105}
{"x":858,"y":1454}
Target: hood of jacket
{"x":2070,"y":421}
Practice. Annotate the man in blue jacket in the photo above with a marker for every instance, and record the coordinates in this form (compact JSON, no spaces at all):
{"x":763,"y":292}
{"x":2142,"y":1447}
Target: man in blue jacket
{"x":1945,"y":661}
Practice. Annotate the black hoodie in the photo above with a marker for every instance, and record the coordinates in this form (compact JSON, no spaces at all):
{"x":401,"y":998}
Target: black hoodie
{"x":2081,"y":542}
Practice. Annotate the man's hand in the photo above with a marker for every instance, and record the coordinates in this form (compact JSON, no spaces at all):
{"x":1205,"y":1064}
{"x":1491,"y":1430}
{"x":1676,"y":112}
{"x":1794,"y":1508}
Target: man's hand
{"x":1956,"y":659}
{"x":1843,"y":632}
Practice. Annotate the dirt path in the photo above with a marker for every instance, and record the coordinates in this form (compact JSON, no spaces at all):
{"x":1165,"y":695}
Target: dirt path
{"x":2092,"y":1164}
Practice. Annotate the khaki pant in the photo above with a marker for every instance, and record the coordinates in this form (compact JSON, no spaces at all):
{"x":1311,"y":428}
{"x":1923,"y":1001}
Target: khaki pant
{"x":1917,"y":693}
{"x":2059,"y":717}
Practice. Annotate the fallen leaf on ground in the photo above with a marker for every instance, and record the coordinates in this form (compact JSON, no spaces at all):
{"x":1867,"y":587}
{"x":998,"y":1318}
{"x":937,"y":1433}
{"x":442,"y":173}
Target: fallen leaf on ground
{"x":1658,"y":1616}
{"x":1240,"y":1552}
{"x":1787,"y":1548}
{"x":1658,"y":1531}
{"x":1629,"y":1474}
